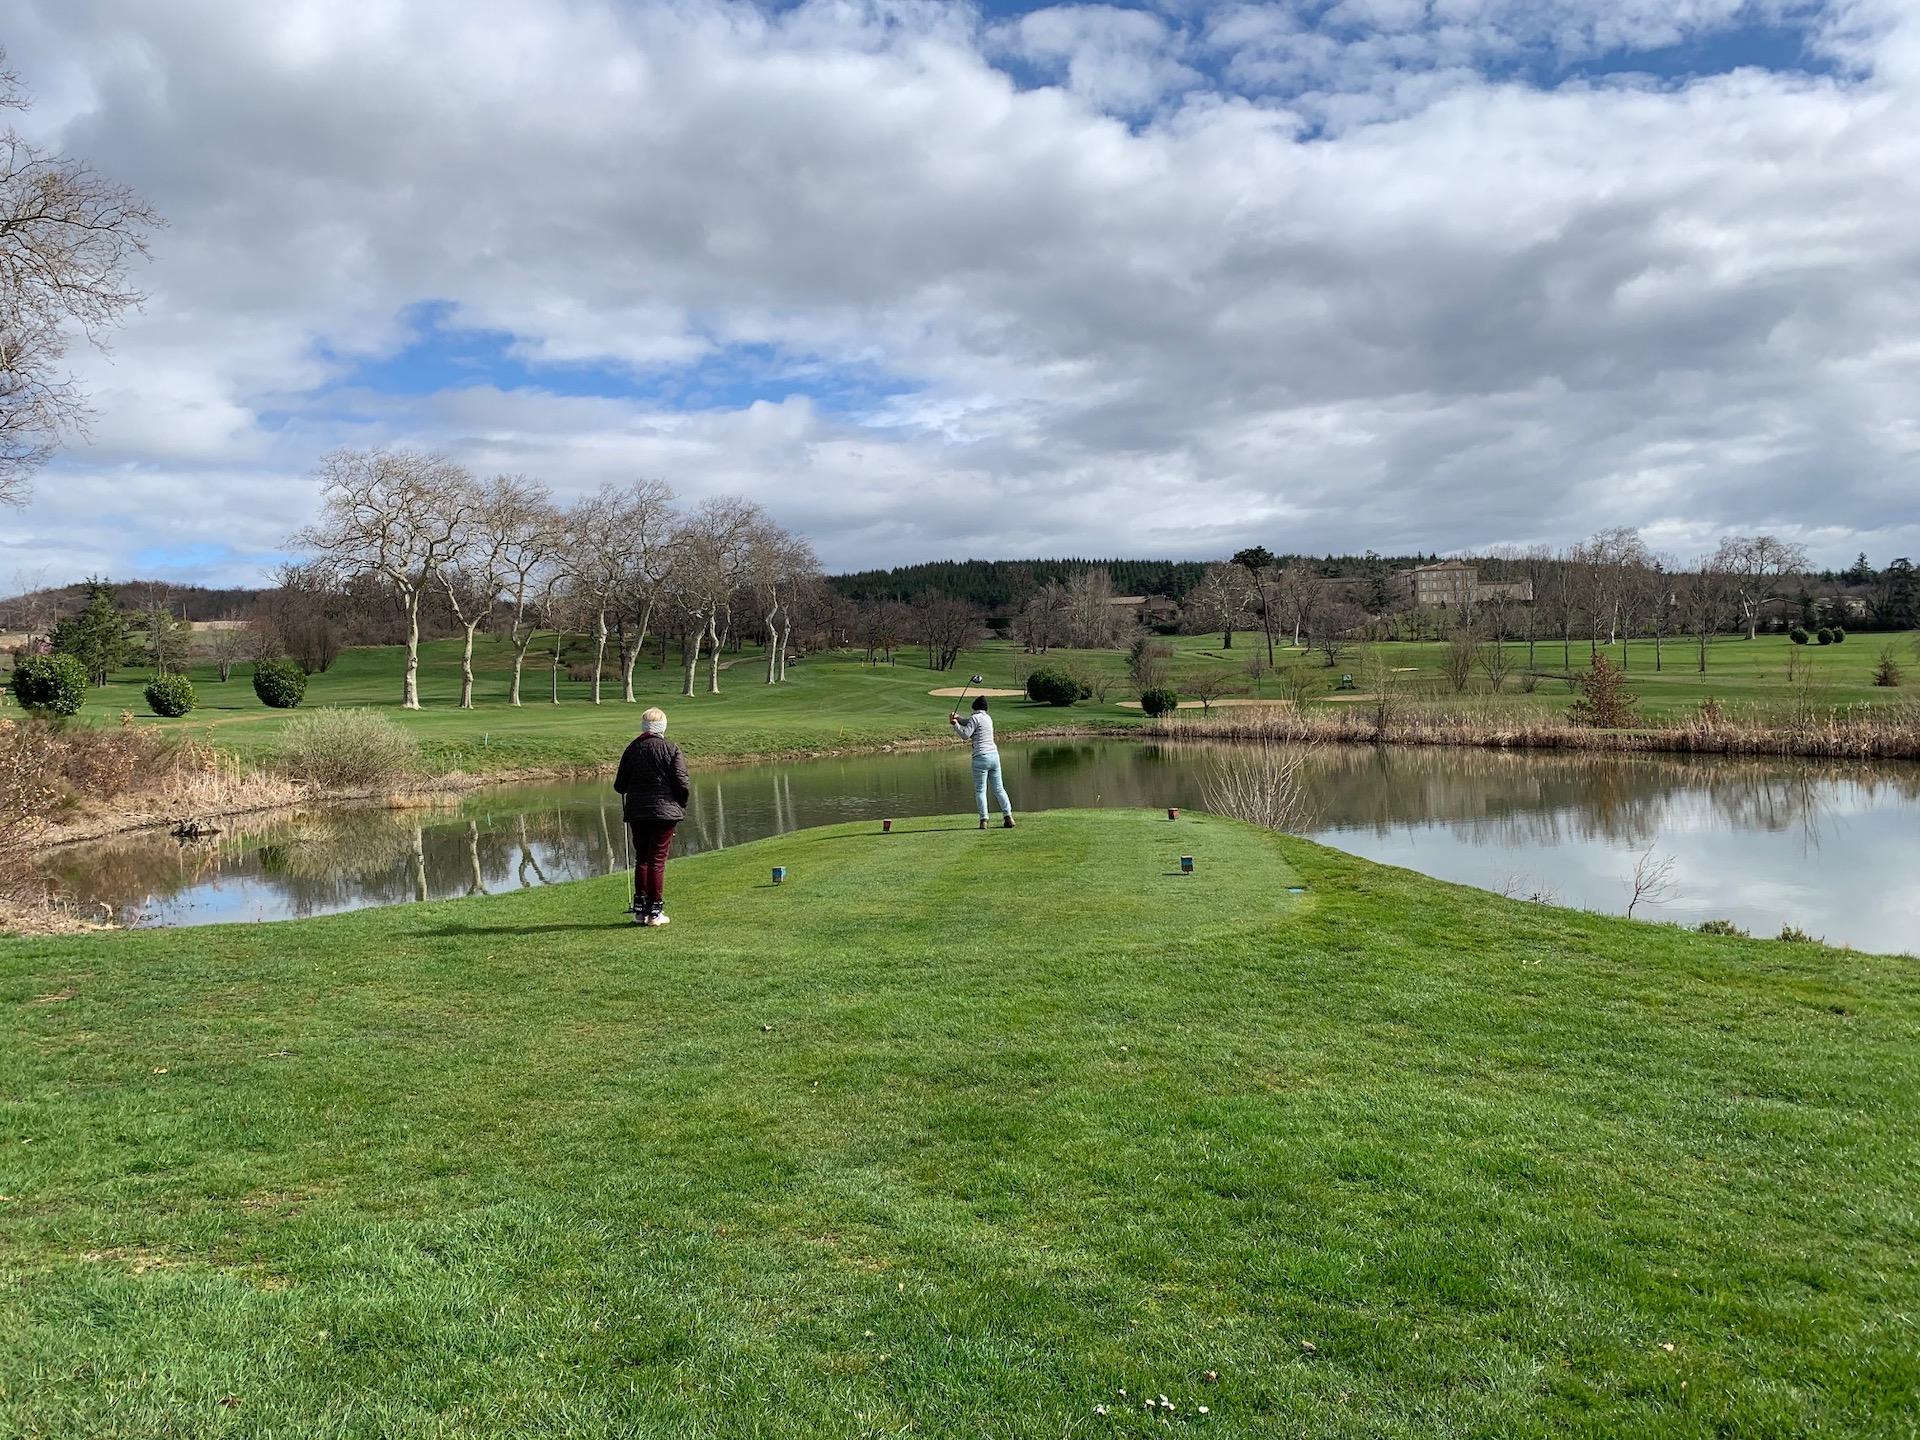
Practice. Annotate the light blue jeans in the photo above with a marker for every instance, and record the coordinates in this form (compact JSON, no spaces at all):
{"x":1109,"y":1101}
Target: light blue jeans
{"x":986,"y":768}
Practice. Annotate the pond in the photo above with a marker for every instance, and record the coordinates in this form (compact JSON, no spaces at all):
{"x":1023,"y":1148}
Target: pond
{"x":1831,"y":849}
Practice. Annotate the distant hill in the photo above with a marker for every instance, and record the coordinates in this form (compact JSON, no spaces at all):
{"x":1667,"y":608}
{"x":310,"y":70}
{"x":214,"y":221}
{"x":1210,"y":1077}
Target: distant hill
{"x":187,"y":602}
{"x":998,"y":584}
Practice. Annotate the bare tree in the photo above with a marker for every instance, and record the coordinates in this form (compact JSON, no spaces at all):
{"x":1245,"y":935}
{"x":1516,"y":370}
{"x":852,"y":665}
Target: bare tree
{"x":615,"y":537}
{"x":1759,"y":566}
{"x":1093,"y":621}
{"x":1209,"y":685}
{"x":227,"y":647}
{"x":1301,"y":589}
{"x":1334,"y":626}
{"x":507,"y":520}
{"x":1606,"y":569}
{"x":1255,"y":666}
{"x":1705,"y":601}
{"x":529,"y":561}
{"x":651,"y":556}
{"x":946,"y":626}
{"x":1461,"y":655}
{"x":1496,"y":663}
{"x":1042,"y":617}
{"x":294,"y":618}
{"x":1652,"y":881}
{"x":779,"y":567}
{"x":1560,"y":604}
{"x":1536,"y":566}
{"x":1219,"y":601}
{"x":710,"y":554}
{"x":398,"y":515}
{"x":67,"y":239}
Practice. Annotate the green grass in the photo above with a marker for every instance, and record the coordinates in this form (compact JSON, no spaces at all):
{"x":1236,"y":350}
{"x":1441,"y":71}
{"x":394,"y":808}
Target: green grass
{"x":960,"y":1135}
{"x":838,"y":702}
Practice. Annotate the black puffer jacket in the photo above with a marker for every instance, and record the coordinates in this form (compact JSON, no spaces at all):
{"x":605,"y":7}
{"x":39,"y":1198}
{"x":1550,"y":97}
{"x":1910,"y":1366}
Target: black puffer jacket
{"x":653,"y":781}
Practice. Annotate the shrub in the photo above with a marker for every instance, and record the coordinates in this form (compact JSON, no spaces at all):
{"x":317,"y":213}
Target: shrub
{"x":1839,"y":634}
{"x":1604,"y":703}
{"x":1823,"y":635}
{"x":1050,"y":686}
{"x":1721,"y":927}
{"x":170,"y":695}
{"x":347,"y":749}
{"x":280,"y":684}
{"x":1159,"y":701}
{"x":51,"y":684}
{"x":1887,"y":673}
{"x":1798,"y":635}
{"x":1794,"y":935}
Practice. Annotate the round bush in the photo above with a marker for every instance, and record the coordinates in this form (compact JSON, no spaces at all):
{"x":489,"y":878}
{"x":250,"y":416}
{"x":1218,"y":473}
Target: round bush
{"x":1839,"y":635}
{"x":53,"y":684}
{"x":1823,"y":635}
{"x":280,"y":684}
{"x":170,"y":695}
{"x":1159,"y":701}
{"x":347,"y":749}
{"x":1048,"y":686}
{"x":1798,"y":635}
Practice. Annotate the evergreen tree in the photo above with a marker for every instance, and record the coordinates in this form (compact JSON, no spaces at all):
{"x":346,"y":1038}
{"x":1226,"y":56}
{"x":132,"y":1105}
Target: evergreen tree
{"x":98,"y":636}
{"x":1897,"y":596}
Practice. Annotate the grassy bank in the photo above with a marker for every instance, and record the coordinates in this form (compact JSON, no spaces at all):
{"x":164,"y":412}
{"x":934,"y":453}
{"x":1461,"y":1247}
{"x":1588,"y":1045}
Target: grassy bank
{"x":960,"y":1134}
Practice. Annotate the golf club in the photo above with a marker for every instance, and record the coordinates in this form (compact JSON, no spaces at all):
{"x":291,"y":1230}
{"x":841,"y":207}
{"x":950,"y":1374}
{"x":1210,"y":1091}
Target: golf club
{"x":972,"y":681}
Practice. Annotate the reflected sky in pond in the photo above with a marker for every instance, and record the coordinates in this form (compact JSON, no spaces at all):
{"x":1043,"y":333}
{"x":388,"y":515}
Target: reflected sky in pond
{"x":1829,"y":848}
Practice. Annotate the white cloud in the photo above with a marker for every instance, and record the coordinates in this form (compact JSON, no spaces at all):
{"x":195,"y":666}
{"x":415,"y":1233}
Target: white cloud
{"x":1131,"y":311}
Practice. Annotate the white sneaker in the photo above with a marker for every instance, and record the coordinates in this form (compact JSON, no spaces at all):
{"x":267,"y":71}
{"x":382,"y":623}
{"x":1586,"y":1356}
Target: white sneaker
{"x":660,"y":919}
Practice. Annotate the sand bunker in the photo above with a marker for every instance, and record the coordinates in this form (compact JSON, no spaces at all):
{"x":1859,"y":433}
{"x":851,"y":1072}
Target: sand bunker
{"x":951,"y":691}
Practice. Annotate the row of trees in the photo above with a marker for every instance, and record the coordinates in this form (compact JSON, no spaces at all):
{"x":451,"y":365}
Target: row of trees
{"x":618,"y":566}
{"x":1608,"y":588}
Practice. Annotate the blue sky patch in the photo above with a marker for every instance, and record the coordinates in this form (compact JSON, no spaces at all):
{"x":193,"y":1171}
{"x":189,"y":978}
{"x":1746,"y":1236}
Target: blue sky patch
{"x":444,"y":355}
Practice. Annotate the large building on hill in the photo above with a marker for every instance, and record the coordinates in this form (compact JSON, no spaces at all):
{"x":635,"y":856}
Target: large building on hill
{"x":1454,"y":584}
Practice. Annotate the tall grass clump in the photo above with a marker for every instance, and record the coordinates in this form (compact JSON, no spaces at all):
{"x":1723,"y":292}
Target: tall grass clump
{"x":347,"y":749}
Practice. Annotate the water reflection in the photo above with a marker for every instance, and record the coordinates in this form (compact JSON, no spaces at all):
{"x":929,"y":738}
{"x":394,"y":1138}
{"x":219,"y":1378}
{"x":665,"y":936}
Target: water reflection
{"x":1826,"y":846}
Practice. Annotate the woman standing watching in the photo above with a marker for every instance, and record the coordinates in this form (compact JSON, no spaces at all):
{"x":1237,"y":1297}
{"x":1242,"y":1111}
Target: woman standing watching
{"x":653,"y":786}
{"x":978,"y":728}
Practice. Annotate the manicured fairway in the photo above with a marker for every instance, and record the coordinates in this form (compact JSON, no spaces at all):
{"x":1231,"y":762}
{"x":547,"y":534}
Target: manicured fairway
{"x":960,"y":1135}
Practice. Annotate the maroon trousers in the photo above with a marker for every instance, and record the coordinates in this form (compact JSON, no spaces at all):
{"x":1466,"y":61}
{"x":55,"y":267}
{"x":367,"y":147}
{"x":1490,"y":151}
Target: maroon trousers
{"x":651,"y":841}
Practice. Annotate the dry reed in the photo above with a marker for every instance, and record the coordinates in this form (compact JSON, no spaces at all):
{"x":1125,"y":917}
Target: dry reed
{"x":1878,"y":732}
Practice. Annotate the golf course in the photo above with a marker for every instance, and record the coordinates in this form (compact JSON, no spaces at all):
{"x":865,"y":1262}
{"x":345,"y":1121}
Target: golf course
{"x":837,"y":701}
{"x":1005,"y":1134}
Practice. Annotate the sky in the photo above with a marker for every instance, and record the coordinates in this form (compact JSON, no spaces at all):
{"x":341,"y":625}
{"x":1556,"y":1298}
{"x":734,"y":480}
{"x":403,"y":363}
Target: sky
{"x":938,"y":280}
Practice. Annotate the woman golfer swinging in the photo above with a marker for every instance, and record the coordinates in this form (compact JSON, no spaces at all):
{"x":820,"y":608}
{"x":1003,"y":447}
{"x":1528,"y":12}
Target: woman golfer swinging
{"x":978,"y":728}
